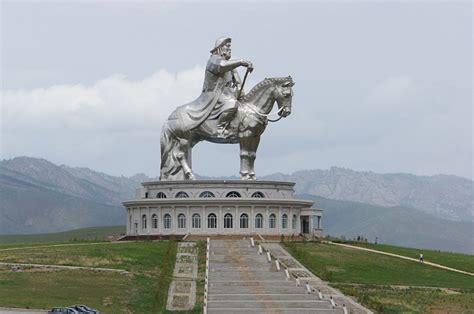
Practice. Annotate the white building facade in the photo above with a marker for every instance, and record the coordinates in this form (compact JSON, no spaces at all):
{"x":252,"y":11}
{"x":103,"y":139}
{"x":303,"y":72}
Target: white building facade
{"x":217,"y":207}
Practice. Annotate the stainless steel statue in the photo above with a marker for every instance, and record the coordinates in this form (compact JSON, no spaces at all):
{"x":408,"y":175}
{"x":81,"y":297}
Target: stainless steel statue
{"x":222,"y":114}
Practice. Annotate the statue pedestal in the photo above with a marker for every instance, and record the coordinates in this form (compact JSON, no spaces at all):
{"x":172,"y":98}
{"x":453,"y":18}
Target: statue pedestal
{"x":219,"y":207}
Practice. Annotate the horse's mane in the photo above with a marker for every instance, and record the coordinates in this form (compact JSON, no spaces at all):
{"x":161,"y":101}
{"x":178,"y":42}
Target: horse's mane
{"x":263,"y":84}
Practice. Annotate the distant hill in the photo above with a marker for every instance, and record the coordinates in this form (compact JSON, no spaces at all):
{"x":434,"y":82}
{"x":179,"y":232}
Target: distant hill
{"x":37,"y":196}
{"x":83,"y":234}
{"x":395,"y":225}
{"x":445,"y":196}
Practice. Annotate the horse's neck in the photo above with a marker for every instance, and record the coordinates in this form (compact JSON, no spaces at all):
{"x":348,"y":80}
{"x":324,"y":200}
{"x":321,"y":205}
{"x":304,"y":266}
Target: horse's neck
{"x":263,"y":101}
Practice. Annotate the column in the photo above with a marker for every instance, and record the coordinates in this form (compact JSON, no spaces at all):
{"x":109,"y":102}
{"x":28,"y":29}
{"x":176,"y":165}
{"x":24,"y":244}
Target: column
{"x":174,"y":222}
{"x":188,"y":220}
{"x":279,"y":221}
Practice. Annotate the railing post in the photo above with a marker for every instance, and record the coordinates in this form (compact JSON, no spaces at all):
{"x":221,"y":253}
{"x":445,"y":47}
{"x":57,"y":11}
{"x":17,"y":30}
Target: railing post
{"x":277,"y":263}
{"x":269,"y":258}
{"x":252,"y":243}
{"x":260,"y":251}
{"x":287,"y":273}
{"x":344,"y":308}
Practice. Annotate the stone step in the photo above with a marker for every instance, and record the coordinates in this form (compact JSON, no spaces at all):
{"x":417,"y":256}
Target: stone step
{"x":253,"y":285}
{"x":253,"y":296}
{"x":263,"y":304}
{"x":236,"y":267}
{"x":274,"y":311}
{"x":267,"y":289}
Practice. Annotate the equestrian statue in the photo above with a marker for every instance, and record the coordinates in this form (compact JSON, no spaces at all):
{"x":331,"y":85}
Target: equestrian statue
{"x":223,"y":114}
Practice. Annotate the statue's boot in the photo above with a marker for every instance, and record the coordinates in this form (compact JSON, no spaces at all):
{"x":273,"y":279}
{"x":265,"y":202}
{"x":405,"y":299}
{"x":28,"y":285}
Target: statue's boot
{"x":224,"y":120}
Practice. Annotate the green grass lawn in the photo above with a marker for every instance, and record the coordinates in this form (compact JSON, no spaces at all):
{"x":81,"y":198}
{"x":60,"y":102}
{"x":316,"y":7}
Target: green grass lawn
{"x":109,"y":292}
{"x":379,"y":281}
{"x":145,"y":291}
{"x":455,"y":260}
{"x":84,"y":234}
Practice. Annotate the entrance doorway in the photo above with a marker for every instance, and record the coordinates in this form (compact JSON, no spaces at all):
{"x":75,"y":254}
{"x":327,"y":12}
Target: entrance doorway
{"x":304,"y":224}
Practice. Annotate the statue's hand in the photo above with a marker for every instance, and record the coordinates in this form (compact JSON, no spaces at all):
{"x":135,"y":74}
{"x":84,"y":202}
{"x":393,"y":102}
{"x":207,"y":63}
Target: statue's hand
{"x":247,"y":64}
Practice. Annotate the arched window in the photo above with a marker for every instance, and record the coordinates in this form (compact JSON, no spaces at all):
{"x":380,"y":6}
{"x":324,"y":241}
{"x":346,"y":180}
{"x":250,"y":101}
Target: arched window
{"x":161,"y":195}
{"x":206,"y":194}
{"x":293,"y":222}
{"x":233,"y":194}
{"x":211,"y":221}
{"x":182,"y":195}
{"x":144,"y":222}
{"x":258,"y":195}
{"x":227,"y":221}
{"x":196,"y":221}
{"x":154,"y":221}
{"x":244,"y":221}
{"x":284,"y":221}
{"x":167,"y":221}
{"x":272,"y":221}
{"x":259,"y":221}
{"x":181,"y":221}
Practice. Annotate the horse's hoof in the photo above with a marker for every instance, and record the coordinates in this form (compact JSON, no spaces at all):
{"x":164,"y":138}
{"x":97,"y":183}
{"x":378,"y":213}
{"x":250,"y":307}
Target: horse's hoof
{"x":245,"y":177}
{"x":190,"y":176}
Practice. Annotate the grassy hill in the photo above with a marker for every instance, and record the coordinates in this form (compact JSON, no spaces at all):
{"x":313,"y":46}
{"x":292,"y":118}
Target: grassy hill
{"x":383,"y":283}
{"x":83,"y":234}
{"x":394,"y":225}
{"x":454,"y":260}
{"x":389,"y":284}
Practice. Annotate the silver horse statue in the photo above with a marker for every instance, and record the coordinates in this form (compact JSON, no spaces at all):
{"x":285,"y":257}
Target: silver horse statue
{"x":246,"y":127}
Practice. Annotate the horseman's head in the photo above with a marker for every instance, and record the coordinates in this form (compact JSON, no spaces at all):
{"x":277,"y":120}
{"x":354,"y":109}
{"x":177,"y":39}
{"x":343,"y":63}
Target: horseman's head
{"x":284,"y":97}
{"x":222,"y":47}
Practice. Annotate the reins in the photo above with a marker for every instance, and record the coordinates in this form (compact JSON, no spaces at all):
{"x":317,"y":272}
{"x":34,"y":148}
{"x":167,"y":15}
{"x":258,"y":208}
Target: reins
{"x":266,"y":115}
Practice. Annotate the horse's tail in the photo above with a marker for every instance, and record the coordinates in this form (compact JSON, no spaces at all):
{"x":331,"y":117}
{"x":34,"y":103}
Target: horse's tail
{"x":170,"y":168}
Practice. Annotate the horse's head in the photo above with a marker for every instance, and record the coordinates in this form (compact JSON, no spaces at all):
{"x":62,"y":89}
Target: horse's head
{"x":284,"y":95}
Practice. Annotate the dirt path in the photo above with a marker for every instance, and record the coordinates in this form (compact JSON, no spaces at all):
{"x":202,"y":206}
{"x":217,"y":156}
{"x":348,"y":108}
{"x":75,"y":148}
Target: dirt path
{"x":403,"y":257}
{"x":59,"y":245}
{"x":100,"y":269}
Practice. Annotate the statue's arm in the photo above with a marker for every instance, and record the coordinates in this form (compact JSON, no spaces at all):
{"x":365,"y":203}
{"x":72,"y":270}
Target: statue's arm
{"x":237,"y":79}
{"x":221,"y":65}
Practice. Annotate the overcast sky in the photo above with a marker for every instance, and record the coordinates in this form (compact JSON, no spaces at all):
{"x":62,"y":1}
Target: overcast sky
{"x":384,"y":87}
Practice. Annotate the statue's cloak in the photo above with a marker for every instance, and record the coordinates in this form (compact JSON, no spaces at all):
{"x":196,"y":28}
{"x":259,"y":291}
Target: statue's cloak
{"x":189,"y":116}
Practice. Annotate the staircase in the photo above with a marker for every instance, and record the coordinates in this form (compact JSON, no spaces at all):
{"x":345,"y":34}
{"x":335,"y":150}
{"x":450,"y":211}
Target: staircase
{"x":243,"y":281}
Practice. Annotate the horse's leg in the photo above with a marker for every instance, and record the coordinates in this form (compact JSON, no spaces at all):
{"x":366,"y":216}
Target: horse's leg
{"x":252,"y":155}
{"x":181,"y":155}
{"x":244,"y":158}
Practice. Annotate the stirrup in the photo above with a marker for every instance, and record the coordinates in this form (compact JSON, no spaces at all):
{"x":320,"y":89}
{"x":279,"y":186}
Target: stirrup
{"x":222,"y":132}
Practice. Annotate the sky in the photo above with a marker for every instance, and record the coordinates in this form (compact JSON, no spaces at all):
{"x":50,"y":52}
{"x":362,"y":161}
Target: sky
{"x":380,"y":86}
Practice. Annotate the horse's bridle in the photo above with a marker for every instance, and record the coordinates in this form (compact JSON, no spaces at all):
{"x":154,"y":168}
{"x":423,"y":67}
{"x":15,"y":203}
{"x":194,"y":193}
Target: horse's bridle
{"x":269,"y":114}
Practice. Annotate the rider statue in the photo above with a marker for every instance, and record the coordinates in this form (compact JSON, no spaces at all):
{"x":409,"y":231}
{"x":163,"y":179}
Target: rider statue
{"x":221,"y":67}
{"x":220,"y":90}
{"x":221,"y":115}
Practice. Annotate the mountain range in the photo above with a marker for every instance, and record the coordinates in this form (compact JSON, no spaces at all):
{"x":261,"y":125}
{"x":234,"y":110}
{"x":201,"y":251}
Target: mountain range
{"x":38,"y":196}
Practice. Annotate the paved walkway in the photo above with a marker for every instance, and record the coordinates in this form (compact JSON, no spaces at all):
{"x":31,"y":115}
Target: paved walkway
{"x":402,"y":257}
{"x":243,"y":281}
{"x":5,"y":310}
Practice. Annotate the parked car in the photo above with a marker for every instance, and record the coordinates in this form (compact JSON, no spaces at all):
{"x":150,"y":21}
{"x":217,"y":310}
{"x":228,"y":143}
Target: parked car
{"x":63,"y":310}
{"x":73,"y":309}
{"x":81,"y":308}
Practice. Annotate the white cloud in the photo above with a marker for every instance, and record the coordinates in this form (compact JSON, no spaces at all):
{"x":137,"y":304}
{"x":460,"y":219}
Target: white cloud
{"x":111,"y":104}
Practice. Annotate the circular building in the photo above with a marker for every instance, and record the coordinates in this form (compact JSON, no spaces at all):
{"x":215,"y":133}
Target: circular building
{"x":220,"y":207}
